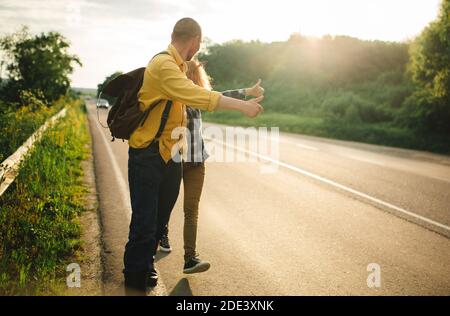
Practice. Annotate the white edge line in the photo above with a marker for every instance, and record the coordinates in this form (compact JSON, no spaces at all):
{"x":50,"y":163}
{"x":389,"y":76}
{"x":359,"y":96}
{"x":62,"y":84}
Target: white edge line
{"x":307,"y":147}
{"x":119,"y":176}
{"x":161,"y":287}
{"x":340,"y":186}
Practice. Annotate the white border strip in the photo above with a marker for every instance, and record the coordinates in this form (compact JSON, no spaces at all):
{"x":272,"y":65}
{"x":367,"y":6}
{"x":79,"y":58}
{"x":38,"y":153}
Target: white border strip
{"x":9,"y":167}
{"x":441,"y":228}
{"x":123,"y":186}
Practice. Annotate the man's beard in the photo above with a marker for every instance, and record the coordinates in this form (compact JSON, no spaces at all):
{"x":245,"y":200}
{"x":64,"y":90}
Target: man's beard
{"x":190,"y":56}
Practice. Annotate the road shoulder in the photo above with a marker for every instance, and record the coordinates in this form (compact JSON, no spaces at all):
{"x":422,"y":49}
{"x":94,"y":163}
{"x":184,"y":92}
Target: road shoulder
{"x":90,"y":256}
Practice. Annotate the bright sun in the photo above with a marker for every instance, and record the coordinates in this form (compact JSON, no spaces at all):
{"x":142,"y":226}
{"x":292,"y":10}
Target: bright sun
{"x":276,"y":20}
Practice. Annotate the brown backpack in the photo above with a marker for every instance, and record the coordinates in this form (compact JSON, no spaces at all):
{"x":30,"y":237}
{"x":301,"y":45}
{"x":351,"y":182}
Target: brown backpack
{"x":125,"y":115}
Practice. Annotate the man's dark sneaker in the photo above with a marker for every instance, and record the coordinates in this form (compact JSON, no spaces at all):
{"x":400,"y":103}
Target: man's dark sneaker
{"x":196,"y":265}
{"x":164,"y":245}
{"x":138,"y":283}
{"x":152,"y":278}
{"x":135,"y":283}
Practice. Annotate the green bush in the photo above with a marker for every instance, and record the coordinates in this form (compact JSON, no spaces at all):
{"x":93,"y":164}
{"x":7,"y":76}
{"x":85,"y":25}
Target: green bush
{"x":19,"y":120}
{"x":424,"y":113}
{"x":376,"y":133}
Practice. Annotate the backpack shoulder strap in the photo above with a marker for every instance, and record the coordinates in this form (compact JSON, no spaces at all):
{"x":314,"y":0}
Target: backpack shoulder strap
{"x":164,"y":118}
{"x":161,"y":53}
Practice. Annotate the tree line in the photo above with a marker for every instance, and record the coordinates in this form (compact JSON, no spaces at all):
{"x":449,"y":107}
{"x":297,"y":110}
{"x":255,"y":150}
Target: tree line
{"x":347,"y":80}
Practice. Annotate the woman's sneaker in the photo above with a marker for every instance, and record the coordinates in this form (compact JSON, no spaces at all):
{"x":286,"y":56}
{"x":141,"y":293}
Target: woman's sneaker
{"x":196,"y":265}
{"x":164,"y":245}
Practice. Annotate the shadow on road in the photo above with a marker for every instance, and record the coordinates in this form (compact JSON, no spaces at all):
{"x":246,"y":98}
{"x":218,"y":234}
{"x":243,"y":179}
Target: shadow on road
{"x":161,"y":255}
{"x":182,"y":288}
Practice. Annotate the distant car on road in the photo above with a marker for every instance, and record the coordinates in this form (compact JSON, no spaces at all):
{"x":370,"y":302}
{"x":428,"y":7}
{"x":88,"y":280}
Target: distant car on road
{"x":102,"y":103}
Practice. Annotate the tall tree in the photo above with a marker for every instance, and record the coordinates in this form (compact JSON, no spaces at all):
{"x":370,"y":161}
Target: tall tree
{"x":430,"y":70}
{"x":36,"y":63}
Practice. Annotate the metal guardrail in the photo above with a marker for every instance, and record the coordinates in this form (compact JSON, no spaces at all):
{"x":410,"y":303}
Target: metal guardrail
{"x":9,"y":167}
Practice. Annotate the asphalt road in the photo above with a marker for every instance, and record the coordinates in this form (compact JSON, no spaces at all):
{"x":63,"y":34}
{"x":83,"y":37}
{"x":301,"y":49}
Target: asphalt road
{"x":311,"y":227}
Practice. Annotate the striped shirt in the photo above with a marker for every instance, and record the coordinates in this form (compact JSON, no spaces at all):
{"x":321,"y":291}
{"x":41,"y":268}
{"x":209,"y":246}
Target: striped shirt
{"x":196,"y":146}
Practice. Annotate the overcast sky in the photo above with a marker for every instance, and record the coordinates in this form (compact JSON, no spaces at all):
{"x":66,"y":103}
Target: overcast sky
{"x":111,"y":35}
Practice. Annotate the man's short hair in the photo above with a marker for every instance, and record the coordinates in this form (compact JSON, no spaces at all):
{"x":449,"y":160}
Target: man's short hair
{"x":186,"y":29}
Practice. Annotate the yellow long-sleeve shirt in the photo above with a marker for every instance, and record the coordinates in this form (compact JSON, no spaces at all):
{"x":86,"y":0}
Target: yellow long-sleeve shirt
{"x":165,"y":79}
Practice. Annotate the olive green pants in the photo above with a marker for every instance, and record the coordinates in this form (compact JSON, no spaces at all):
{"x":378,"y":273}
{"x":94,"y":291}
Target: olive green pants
{"x":193,"y":178}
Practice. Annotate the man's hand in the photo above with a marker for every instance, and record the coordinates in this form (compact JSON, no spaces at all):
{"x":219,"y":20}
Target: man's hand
{"x":250,"y":108}
{"x":253,"y":108}
{"x":256,"y":90}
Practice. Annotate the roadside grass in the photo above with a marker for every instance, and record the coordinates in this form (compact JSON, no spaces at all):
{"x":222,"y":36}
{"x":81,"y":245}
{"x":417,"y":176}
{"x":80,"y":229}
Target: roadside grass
{"x":16,"y":125}
{"x":376,"y":133}
{"x":39,"y":212}
{"x":286,"y":122}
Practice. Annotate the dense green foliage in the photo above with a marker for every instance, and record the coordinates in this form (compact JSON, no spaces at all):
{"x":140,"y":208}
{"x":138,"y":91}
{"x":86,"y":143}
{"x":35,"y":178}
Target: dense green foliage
{"x":429,"y":107}
{"x":37,"y":69}
{"x":309,"y":75}
{"x":38,"y":212}
{"x":17,"y":124}
{"x":38,"y":63}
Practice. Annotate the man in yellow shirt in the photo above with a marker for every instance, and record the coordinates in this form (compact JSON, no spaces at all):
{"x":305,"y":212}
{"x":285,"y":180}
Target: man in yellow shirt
{"x":154,"y":168}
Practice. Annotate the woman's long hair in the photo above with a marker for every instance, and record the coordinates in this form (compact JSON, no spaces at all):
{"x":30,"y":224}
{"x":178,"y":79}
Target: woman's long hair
{"x":196,"y":72}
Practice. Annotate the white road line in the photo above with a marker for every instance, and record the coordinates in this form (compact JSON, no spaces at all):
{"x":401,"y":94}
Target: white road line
{"x":160,"y":289}
{"x":123,"y":187}
{"x":342,"y":187}
{"x":368,"y":160}
{"x":307,"y":147}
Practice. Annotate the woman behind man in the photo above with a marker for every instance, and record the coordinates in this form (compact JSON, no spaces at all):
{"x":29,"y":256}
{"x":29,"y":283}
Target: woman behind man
{"x":194,"y":169}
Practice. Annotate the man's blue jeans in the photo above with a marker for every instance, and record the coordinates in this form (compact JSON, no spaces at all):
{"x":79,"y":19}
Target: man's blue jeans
{"x":154,"y":187}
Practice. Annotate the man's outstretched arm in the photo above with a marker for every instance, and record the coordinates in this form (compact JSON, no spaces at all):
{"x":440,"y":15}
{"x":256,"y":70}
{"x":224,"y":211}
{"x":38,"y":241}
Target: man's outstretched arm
{"x":250,"y":108}
{"x":176,"y":86}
